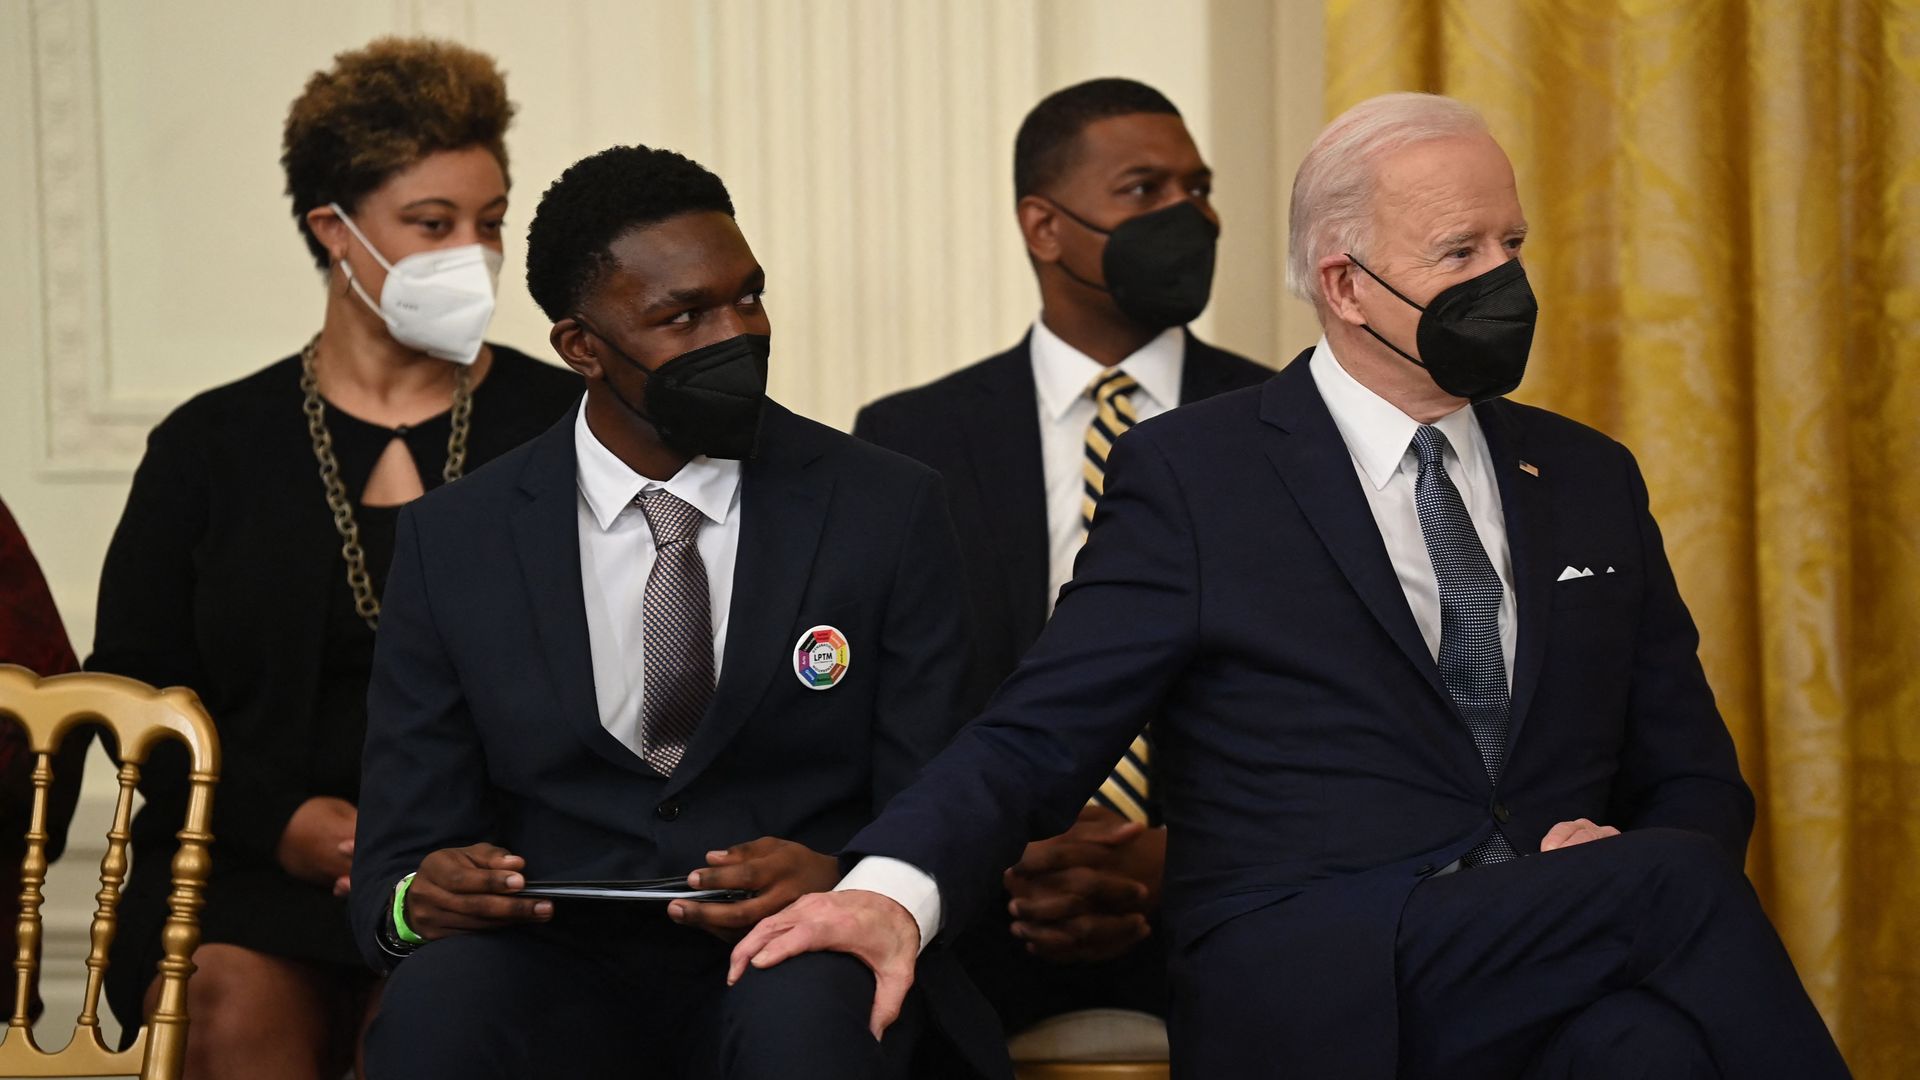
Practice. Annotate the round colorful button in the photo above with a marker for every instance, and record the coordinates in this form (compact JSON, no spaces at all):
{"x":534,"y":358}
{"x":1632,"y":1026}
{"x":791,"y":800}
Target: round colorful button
{"x":820,"y":658}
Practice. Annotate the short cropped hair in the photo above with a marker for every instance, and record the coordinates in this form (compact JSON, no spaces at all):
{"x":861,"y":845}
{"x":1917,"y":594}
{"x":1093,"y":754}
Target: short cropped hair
{"x":379,"y":110}
{"x":598,"y":200}
{"x":1332,"y":207}
{"x":1048,"y":143}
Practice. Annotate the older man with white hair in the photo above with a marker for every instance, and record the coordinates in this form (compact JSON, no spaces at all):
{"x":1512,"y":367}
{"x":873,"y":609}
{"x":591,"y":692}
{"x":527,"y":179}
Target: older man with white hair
{"x":1446,"y":790}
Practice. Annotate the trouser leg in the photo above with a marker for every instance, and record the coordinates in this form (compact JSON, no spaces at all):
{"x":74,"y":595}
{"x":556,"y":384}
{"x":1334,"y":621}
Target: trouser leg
{"x":1627,"y":1035}
{"x":502,"y":1005}
{"x":1493,"y":961}
{"x":807,"y":1017}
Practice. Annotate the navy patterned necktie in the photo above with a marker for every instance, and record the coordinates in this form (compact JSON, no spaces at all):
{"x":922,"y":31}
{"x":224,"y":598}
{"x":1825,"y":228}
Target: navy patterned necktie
{"x":677,"y":636}
{"x":1471,"y":663}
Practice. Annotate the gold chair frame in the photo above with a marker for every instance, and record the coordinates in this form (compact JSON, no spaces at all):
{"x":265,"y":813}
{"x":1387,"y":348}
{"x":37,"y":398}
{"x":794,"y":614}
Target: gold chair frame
{"x":138,"y":715}
{"x":1091,"y":1070}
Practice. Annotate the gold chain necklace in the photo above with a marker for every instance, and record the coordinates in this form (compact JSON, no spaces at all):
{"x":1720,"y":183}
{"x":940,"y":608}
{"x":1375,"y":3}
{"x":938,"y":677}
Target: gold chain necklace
{"x":364,"y":601}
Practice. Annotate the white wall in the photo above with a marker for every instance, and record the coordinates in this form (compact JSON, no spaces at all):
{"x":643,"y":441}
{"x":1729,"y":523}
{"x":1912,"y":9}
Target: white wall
{"x":146,"y":250}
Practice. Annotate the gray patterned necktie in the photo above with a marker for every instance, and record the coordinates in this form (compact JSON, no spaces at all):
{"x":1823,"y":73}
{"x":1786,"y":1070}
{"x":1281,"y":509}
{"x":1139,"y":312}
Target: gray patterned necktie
{"x":1471,"y":662}
{"x":678,"y":633}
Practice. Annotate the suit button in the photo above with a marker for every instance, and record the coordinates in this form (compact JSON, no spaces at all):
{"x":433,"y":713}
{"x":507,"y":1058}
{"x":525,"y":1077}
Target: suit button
{"x":1500,"y":813}
{"x":667,"y":811}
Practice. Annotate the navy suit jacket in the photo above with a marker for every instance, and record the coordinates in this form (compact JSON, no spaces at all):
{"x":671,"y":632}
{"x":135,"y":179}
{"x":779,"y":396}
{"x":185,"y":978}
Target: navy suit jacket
{"x":483,"y":724}
{"x":1236,"y":590}
{"x":980,"y":429}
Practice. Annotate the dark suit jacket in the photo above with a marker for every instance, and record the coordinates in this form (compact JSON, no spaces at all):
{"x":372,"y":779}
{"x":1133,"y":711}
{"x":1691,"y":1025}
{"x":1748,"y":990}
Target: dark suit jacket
{"x":980,"y":429}
{"x":482,"y":718}
{"x":1312,"y":767}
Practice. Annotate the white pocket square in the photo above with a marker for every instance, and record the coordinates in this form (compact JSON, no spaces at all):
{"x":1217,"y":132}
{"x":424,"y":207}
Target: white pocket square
{"x":1570,"y":573}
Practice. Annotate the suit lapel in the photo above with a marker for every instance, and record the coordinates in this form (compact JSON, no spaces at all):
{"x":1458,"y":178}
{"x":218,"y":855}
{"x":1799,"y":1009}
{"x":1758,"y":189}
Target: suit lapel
{"x":1003,"y":444}
{"x":783,"y":511}
{"x":1306,"y":449}
{"x":1523,"y":503}
{"x":546,"y":536}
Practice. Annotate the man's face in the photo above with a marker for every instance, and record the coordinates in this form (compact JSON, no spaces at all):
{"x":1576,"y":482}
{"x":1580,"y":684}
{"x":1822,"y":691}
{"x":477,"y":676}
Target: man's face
{"x":1123,"y":167}
{"x":1444,"y":211}
{"x":675,"y":286}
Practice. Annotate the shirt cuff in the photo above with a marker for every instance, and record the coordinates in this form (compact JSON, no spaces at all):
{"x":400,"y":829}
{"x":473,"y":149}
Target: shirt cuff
{"x":903,"y":883}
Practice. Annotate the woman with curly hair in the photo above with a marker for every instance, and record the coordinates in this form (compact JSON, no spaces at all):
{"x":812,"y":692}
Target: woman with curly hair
{"x":249,"y":562}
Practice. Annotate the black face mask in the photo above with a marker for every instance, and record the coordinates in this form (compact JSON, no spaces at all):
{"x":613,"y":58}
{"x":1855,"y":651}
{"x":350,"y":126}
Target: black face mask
{"x":1474,"y":336}
{"x":1158,"y":266}
{"x":706,"y":401}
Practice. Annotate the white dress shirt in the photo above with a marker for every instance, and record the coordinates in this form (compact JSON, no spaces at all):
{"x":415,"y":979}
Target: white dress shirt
{"x":1379,"y":439}
{"x":1061,"y":376}
{"x":616,"y":555}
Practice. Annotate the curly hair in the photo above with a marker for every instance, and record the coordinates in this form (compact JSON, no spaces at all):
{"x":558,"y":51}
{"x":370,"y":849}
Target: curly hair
{"x":382,"y":108}
{"x":598,"y":200}
{"x":1048,"y":142}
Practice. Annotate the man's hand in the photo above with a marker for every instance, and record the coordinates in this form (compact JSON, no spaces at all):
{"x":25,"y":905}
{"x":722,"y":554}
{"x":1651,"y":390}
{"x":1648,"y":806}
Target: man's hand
{"x":317,"y":844}
{"x":471,"y":888}
{"x":1085,"y":895}
{"x":1569,"y":833}
{"x":779,"y":871}
{"x":865,"y":925}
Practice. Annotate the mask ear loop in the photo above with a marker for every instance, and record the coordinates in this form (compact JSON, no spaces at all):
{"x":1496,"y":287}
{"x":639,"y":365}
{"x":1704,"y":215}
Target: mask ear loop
{"x":1383,"y":283}
{"x":1077,"y":219}
{"x":346,"y":268}
{"x":362,"y":237}
{"x":608,"y":342}
{"x":622,"y":354}
{"x":1403,"y":299}
{"x":1090,"y":227}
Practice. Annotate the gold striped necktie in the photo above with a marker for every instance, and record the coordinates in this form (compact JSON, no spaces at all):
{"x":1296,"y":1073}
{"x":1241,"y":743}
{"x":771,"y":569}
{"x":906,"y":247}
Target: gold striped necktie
{"x":1128,"y":789}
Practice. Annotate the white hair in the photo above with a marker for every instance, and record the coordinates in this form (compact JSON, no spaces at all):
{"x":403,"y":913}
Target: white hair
{"x":1332,"y":205}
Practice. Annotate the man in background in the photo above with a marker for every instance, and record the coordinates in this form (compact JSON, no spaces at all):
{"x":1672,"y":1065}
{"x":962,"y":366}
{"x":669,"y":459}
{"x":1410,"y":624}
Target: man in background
{"x":1113,"y":201}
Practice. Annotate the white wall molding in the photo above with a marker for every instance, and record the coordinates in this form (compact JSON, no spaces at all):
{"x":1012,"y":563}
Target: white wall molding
{"x":87,"y":430}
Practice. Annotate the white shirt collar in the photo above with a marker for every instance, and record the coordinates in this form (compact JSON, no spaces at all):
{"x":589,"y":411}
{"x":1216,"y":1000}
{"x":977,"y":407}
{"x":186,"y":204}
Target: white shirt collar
{"x":1376,"y":433}
{"x":709,"y":485}
{"x":1062,"y":373}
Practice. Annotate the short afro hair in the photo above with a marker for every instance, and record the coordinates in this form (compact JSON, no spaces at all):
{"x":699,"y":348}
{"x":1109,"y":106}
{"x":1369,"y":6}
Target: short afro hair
{"x":1049,"y":138}
{"x":381,"y":109}
{"x":598,"y":200}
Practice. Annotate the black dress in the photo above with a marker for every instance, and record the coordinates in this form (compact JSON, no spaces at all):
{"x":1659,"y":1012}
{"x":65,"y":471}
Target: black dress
{"x":225,"y":575}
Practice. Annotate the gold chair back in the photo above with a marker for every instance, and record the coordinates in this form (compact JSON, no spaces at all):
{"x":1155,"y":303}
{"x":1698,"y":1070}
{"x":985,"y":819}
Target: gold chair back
{"x":1091,"y":1070}
{"x":138,"y":715}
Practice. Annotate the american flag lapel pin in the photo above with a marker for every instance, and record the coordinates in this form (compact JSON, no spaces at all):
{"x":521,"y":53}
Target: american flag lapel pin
{"x":1529,"y":468}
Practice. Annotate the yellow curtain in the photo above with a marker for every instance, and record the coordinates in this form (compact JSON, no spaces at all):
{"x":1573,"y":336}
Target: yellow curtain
{"x":1725,"y":201}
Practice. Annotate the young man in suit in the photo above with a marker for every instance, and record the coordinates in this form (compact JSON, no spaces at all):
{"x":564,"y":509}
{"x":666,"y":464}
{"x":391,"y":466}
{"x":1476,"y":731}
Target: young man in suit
{"x":685,"y":633}
{"x":1447,"y":791}
{"x":1113,"y":200}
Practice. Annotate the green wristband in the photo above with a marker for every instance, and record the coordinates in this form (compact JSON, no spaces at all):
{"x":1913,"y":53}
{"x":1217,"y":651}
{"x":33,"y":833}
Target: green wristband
{"x":400,"y":926}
